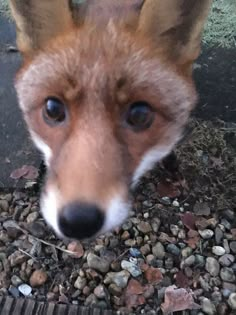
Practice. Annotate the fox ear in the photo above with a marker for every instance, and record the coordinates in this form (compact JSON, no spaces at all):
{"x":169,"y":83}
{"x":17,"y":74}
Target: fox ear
{"x":37,"y":21}
{"x":176,"y":26}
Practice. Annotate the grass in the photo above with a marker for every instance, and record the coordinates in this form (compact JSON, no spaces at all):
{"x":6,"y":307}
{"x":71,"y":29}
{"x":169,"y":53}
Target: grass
{"x":220,"y":28}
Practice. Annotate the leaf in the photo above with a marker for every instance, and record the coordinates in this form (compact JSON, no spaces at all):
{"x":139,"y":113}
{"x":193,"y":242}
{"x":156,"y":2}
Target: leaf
{"x":189,"y":220}
{"x":26,"y":171}
{"x":178,"y":300}
{"x":153,"y":275}
{"x":168,"y":189}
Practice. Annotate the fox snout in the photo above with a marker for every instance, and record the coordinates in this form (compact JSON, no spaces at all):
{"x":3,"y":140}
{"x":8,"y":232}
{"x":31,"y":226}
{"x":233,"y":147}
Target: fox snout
{"x":106,"y":90}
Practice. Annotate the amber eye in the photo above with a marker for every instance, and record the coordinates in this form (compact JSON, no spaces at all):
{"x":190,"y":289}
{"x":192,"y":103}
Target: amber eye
{"x":54,"y":111}
{"x":140,"y":116}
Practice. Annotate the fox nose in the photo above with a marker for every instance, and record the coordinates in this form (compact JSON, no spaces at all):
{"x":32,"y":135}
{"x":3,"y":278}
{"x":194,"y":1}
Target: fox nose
{"x":79,"y":220}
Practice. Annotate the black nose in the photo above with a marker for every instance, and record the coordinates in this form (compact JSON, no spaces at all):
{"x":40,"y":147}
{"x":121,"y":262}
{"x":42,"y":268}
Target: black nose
{"x":79,"y":220}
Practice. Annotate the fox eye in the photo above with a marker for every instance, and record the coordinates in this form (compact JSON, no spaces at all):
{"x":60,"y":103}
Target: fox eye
{"x":140,"y":116}
{"x":54,"y":111}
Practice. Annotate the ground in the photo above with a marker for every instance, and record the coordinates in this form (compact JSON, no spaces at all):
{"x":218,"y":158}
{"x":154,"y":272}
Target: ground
{"x":182,"y":228}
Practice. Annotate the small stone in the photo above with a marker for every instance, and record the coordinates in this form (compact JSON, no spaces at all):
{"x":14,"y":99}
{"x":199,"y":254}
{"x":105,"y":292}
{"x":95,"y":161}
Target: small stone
{"x":232,"y":301}
{"x":187,"y":251}
{"x":17,"y":258}
{"x":174,"y":229}
{"x":145,"y":250}
{"x":208,"y":307}
{"x":133,"y":269}
{"x":146,"y":215}
{"x":233,"y":246}
{"x":150,"y":258}
{"x":216,"y":297}
{"x":156,"y":222}
{"x":80,"y":283}
{"x":226,"y":224}
{"x":4,"y":238}
{"x":125,"y":235}
{"x":218,"y":250}
{"x":98,"y":263}
{"x":135,"y":252}
{"x":206,"y":234}
{"x":16,"y":281}
{"x":148,"y":291}
{"x":169,"y":263}
{"x":37,"y":229}
{"x":173,"y":249}
{"x":130,"y":243}
{"x":127,"y":225}
{"x":226,"y":260}
{"x":189,"y":261}
{"x":201,"y":209}
{"x":212,"y":266}
{"x":218,"y":235}
{"x":200,"y":261}
{"x":119,"y":278}
{"x":226,"y":293}
{"x":227,"y":274}
{"x":222,"y":309}
{"x":14,"y":291}
{"x":51,"y":297}
{"x":226,"y":246}
{"x":229,"y":286}
{"x":144,"y":227}
{"x":115,"y":290}
{"x":4,"y":206}
{"x":158,"y":250}
{"x":38,"y":278}
{"x":25,"y":289}
{"x":32,"y":217}
{"x":91,"y":300}
{"x":100,"y":292}
{"x":229,"y":214}
{"x":175,"y":203}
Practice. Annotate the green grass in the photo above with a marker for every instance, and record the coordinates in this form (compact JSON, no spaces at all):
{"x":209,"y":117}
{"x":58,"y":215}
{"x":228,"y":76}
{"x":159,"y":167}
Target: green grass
{"x":220,"y":28}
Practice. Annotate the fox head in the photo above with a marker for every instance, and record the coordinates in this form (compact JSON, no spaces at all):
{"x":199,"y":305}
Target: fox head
{"x":105,"y":89}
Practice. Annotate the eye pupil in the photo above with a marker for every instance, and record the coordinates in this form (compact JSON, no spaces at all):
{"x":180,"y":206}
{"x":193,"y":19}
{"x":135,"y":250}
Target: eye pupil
{"x":140,"y":116}
{"x":54,"y":110}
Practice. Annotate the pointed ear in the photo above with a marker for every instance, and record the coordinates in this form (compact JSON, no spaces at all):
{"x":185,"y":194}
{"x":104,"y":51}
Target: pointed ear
{"x":176,"y":26}
{"x":37,"y":21}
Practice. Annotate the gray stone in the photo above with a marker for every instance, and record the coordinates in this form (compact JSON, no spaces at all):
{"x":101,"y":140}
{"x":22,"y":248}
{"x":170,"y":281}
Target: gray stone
{"x":208,"y":307}
{"x":91,"y":300}
{"x":119,"y":278}
{"x":100,"y":292}
{"x":144,"y":227}
{"x":206,"y":234}
{"x":98,"y":263}
{"x":189,"y":261}
{"x":174,"y":229}
{"x":218,"y":250}
{"x":226,"y":260}
{"x":4,"y":206}
{"x":173,"y":249}
{"x":132,"y":268}
{"x":229,"y":286}
{"x":158,"y":250}
{"x":16,"y":281}
{"x":17,"y":258}
{"x":218,"y":235}
{"x":232,"y":301}
{"x":227,"y":274}
{"x":212,"y":266}
{"x":187,"y":251}
{"x":233,"y":246}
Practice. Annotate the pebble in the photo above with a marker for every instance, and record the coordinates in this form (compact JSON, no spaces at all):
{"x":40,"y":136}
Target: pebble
{"x":187,"y":251}
{"x":145,"y":249}
{"x":216,"y":297}
{"x":135,"y":252}
{"x":218,"y":250}
{"x":206,"y":234}
{"x":218,"y":235}
{"x":119,"y":278}
{"x":173,"y":249}
{"x":175,"y":203}
{"x":226,"y":224}
{"x":169,"y":263}
{"x":14,"y":291}
{"x":16,"y":281}
{"x":189,"y":261}
{"x":91,"y":300}
{"x":232,"y":301}
{"x":4,"y":205}
{"x":132,"y":268}
{"x":212,"y":266}
{"x":144,"y":227}
{"x":100,"y":292}
{"x":115,"y":290}
{"x":226,"y":260}
{"x":156,"y":222}
{"x":25,"y":289}
{"x":229,"y":286}
{"x":32,"y":217}
{"x":174,"y":229}
{"x":17,"y":258}
{"x":38,"y":278}
{"x":158,"y":250}
{"x":227,"y":274}
{"x":200,"y":261}
{"x":130,"y":243}
{"x":208,"y":307}
{"x":226,"y":293}
{"x":232,"y":246}
{"x":226,"y":246}
{"x":37,"y":229}
{"x":127,"y":225}
{"x":80,"y":283}
{"x":98,"y":263}
{"x":150,"y":259}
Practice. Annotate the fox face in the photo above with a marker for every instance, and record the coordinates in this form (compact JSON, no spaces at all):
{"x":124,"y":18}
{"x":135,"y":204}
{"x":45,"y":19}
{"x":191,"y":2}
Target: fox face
{"x":105,"y":97}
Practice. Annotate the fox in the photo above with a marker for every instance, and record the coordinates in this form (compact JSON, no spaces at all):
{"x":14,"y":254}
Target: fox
{"x":106,"y":89}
